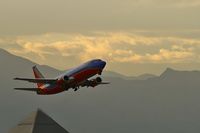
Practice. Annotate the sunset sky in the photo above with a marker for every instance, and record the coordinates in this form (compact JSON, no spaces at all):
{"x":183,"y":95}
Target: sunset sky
{"x":133,"y":36}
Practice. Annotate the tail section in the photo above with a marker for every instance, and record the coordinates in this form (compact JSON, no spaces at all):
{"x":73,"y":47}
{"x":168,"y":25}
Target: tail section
{"x":38,"y":75}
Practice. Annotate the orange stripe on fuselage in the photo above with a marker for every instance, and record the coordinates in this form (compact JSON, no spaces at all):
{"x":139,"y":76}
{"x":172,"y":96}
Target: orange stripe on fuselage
{"x":37,"y":77}
{"x":54,"y":90}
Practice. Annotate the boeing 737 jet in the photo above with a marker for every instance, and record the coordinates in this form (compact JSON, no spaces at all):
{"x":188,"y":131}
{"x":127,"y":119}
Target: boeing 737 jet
{"x":74,"y":78}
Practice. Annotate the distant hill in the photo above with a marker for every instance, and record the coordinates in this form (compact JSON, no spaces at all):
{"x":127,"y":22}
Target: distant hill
{"x":168,"y":103}
{"x":117,"y":75}
{"x":15,"y":65}
{"x":174,"y":74}
{"x":21,"y":66}
{"x":146,"y":76}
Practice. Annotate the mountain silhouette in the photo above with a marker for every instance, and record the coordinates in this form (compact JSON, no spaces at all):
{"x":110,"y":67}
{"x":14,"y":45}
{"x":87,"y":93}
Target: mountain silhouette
{"x":160,"y":104}
{"x":38,"y":122}
{"x":21,"y":66}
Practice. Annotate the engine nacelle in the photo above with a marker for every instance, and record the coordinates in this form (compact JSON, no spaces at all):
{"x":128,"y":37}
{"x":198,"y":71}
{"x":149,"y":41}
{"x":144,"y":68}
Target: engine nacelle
{"x":98,"y":80}
{"x":65,"y":81}
{"x":39,"y":92}
{"x":65,"y":78}
{"x":92,"y":82}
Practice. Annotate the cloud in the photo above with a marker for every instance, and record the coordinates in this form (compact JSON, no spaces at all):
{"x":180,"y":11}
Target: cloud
{"x":100,"y":45}
{"x":117,"y":47}
{"x":122,"y":50}
{"x":165,"y":55}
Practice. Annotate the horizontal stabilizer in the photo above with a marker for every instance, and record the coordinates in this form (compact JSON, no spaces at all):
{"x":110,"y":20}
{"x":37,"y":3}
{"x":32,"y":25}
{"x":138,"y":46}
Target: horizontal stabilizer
{"x":27,"y":89}
{"x":45,"y":81}
{"x":105,"y":83}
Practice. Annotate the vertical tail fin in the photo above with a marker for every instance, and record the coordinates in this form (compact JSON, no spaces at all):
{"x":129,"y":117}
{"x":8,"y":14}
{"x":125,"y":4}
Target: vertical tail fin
{"x":38,"y":75}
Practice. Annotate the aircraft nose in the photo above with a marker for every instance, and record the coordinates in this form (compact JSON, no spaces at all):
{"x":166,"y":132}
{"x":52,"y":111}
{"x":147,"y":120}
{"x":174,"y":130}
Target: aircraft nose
{"x":102,"y":64}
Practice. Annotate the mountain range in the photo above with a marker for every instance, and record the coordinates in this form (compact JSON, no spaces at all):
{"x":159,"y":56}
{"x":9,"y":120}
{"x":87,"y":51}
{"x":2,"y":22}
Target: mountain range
{"x":168,"y":103}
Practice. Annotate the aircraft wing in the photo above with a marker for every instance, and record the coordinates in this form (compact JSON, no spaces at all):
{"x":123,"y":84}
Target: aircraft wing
{"x":45,"y":81}
{"x":104,"y":83}
{"x":27,"y":89}
{"x":92,"y":83}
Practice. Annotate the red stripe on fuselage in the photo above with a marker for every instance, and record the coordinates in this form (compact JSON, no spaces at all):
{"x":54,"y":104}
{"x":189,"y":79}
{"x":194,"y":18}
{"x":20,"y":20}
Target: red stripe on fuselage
{"x":45,"y":91}
{"x":37,"y":76}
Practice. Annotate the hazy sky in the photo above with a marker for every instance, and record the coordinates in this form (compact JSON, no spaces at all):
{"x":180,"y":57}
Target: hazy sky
{"x":134,"y":36}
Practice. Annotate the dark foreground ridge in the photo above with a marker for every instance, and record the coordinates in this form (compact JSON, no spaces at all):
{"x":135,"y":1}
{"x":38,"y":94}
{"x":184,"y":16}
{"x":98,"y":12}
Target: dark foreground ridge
{"x":38,"y":122}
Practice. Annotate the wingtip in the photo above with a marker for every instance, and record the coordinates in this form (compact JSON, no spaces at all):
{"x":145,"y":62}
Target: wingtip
{"x":34,"y":66}
{"x":40,"y":110}
{"x":106,"y":83}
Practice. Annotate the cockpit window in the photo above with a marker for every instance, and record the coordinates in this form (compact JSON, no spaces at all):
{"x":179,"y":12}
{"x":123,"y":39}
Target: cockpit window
{"x":96,"y":60}
{"x":92,"y":61}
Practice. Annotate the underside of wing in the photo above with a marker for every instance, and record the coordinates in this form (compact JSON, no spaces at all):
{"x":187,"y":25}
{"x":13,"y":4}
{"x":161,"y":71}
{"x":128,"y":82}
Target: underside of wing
{"x":45,"y":81}
{"x":27,"y":89}
{"x":104,"y":83}
{"x":93,"y":82}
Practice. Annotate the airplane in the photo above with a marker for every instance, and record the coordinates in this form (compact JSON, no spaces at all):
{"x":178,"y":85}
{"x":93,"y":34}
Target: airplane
{"x":72,"y":79}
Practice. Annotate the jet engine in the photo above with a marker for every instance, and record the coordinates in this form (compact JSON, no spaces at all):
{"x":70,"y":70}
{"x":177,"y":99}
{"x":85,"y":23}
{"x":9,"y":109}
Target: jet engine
{"x":65,"y":78}
{"x":98,"y":80}
{"x":92,"y":82}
